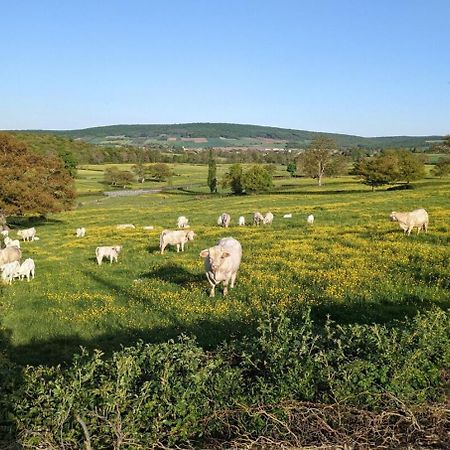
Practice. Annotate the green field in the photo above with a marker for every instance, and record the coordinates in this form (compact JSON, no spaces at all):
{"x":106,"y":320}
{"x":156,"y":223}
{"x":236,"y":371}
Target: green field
{"x":352,"y":264}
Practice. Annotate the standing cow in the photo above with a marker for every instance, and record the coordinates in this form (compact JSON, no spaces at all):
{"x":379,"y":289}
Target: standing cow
{"x":224,"y":220}
{"x":222,"y":263}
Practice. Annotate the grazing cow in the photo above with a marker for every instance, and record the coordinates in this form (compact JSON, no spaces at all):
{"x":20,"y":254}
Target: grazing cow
{"x":409,"y":220}
{"x":9,"y":255}
{"x":107,"y":252}
{"x":28,"y":234}
{"x":178,"y":238}
{"x":81,"y":232}
{"x":27,"y":269}
{"x":9,"y":270}
{"x":287,"y":216}
{"x":224,"y":220}
{"x":11,"y":243}
{"x":257,"y":218}
{"x":148,"y":227}
{"x":222,"y":263}
{"x":182,"y":222}
{"x":241,"y":221}
{"x":268,"y":219}
{"x":125,"y":226}
{"x":310,"y":219}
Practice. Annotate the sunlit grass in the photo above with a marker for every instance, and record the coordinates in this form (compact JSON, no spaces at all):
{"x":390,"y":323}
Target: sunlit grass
{"x":352,"y":264}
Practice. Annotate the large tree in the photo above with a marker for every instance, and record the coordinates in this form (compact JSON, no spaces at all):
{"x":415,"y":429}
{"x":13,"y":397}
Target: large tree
{"x":32,"y":184}
{"x":233,"y":179}
{"x":118,"y":178}
{"x":257,"y":179}
{"x":376,"y":171}
{"x":442,"y":168}
{"x":212,"y":172}
{"x":317,"y":160}
{"x":410,"y":167}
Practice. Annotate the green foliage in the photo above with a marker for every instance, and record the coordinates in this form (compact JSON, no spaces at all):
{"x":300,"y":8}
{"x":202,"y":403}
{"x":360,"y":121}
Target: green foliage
{"x":160,"y":172}
{"x":410,"y":167}
{"x":70,"y":162}
{"x":292,"y":168}
{"x":318,"y":160}
{"x":177,"y":394}
{"x":212,"y":172}
{"x":257,"y":179}
{"x":389,"y":167}
{"x":233,"y":179}
{"x":442,"y":168}
{"x":118,"y":178}
{"x":139,"y":170}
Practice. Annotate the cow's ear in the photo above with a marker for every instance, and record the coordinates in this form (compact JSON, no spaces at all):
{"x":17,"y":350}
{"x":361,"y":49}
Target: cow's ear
{"x":204,"y":253}
{"x":225,"y":254}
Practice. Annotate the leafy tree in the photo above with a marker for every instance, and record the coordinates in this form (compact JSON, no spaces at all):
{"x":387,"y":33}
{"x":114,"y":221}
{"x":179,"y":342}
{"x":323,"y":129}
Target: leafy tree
{"x":160,"y":172}
{"x":70,"y":162}
{"x":317,"y":159}
{"x":233,"y":179}
{"x":410,"y":167}
{"x":377,"y":170}
{"x":257,"y":179}
{"x":442,"y":168}
{"x":139,"y":170}
{"x":212,"y":172}
{"x":31,"y":183}
{"x":116,"y":177}
{"x":292,"y":168}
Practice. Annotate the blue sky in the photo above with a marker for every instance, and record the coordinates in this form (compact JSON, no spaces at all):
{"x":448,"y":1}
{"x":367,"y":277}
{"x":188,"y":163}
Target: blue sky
{"x":360,"y":67}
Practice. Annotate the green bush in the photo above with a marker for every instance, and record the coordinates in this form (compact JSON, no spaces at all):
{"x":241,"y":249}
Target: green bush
{"x":176,"y":393}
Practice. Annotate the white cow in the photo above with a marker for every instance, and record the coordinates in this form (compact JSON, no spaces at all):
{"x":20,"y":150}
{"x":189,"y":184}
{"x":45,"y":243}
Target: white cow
{"x":125,"y":226}
{"x":310,"y":219}
{"x":4,"y":233}
{"x":11,"y":243}
{"x":26,"y":269}
{"x":178,"y":238}
{"x":257,"y":218}
{"x":108,"y":252}
{"x":287,"y":216}
{"x":409,"y":220}
{"x":182,"y":222}
{"x":9,"y":270}
{"x":10,"y":254}
{"x":268,"y":219}
{"x":81,"y":232}
{"x":28,"y":234}
{"x":222,"y":263}
{"x":224,"y":220}
{"x":241,"y":221}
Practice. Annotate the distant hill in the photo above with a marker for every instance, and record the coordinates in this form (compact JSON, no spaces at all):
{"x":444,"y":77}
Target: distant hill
{"x":226,"y":135}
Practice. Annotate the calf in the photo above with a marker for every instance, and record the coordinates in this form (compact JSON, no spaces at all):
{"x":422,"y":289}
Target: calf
{"x":107,"y":252}
{"x":178,"y":238}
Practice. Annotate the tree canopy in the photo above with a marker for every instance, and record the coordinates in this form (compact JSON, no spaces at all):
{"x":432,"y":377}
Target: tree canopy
{"x":317,"y":160}
{"x":257,"y":179}
{"x":32,"y":184}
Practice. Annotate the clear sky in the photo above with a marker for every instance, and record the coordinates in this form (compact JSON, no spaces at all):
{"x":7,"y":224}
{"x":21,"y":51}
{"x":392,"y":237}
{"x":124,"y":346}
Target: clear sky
{"x":363,"y":67}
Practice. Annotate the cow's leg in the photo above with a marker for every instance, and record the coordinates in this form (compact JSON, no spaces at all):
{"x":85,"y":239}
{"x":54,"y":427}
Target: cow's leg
{"x":163,"y":246}
{"x":178,"y":248}
{"x":182,"y":246}
{"x":233,"y":280}
{"x":225,"y":287}
{"x":99,"y":260}
{"x":212,"y":292}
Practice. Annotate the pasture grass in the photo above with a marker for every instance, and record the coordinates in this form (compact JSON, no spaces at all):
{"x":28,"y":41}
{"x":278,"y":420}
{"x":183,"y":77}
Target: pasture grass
{"x":352,"y":264}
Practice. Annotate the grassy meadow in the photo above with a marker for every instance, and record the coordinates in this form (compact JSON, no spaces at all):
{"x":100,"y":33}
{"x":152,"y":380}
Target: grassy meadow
{"x":352,"y":264}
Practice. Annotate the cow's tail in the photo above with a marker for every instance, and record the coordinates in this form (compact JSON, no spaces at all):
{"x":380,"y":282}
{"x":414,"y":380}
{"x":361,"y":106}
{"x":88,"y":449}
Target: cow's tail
{"x":161,"y":238}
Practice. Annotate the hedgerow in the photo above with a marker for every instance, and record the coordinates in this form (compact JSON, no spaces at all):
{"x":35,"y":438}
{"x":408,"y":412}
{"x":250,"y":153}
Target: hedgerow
{"x":292,"y":383}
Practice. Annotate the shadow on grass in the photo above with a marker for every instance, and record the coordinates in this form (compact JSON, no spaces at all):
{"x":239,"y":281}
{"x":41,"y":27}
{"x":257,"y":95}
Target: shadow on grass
{"x":27,"y":222}
{"x":174,"y":273}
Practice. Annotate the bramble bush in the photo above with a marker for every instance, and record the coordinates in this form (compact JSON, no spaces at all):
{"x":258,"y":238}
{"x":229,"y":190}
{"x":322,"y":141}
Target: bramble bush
{"x":178,"y":394}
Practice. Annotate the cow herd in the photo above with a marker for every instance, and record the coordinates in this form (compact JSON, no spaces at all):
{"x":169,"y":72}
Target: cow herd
{"x":11,"y":255}
{"x":221,"y":261}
